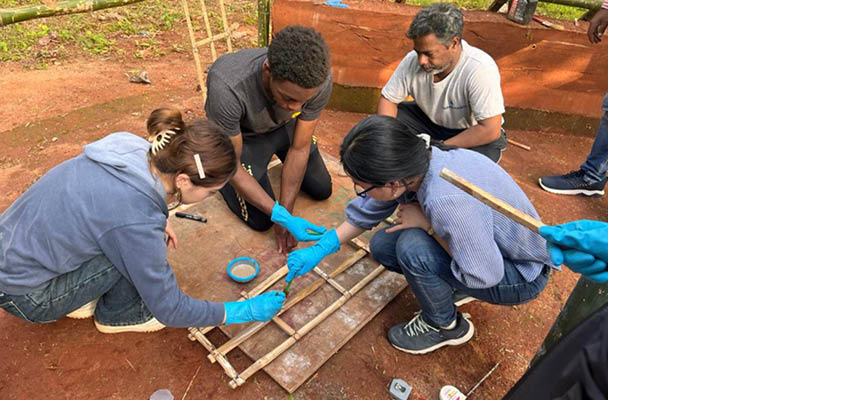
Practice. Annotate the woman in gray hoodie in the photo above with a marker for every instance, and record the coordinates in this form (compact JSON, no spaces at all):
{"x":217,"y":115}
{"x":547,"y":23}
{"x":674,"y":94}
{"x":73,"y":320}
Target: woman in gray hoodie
{"x":88,"y":237}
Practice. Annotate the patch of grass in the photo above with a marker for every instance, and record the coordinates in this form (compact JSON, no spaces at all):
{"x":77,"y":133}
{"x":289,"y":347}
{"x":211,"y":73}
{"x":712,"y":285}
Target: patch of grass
{"x":97,"y":33}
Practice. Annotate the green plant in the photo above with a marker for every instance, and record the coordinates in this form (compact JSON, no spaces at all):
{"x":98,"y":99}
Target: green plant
{"x":95,"y":43}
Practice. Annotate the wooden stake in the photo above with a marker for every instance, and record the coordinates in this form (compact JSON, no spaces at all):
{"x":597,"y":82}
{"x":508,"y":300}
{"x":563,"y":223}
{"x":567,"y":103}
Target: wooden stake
{"x":277,"y":351}
{"x":490,"y":200}
{"x":520,"y":145}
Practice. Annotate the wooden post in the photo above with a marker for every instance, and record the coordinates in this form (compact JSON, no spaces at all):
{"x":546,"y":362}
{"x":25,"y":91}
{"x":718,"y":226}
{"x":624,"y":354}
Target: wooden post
{"x":490,"y":200}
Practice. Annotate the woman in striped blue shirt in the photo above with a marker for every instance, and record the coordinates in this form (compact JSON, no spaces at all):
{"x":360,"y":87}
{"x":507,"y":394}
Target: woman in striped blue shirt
{"x":451,"y":248}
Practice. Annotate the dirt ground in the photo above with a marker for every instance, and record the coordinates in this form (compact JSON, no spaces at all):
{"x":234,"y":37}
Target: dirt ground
{"x":45,"y":118}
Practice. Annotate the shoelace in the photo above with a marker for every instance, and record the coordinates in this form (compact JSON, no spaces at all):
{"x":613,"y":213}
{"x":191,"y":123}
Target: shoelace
{"x":418,"y":326}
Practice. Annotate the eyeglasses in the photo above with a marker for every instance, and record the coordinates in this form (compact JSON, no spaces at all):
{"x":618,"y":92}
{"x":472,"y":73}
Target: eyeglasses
{"x":358,"y":190}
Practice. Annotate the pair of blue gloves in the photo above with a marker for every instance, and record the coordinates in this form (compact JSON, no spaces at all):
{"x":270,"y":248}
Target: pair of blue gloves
{"x":580,"y":245}
{"x":304,"y":260}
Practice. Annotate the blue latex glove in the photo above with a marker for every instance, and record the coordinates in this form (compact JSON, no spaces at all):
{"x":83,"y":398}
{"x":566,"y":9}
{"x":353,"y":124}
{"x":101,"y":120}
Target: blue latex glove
{"x":580,"y":245}
{"x":336,"y":3}
{"x":297,"y":226}
{"x":304,"y":260}
{"x":260,"y":308}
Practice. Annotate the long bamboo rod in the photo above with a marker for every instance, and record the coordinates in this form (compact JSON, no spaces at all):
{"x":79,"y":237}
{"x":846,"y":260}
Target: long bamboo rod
{"x":245,"y":334}
{"x":10,"y":16}
{"x":195,"y":53}
{"x":277,"y":351}
{"x":492,"y":201}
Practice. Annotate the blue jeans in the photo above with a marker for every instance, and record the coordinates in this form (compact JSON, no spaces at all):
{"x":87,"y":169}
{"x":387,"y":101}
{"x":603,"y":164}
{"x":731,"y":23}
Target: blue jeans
{"x":427,"y":268}
{"x":595,"y":166}
{"x":119,"y":302}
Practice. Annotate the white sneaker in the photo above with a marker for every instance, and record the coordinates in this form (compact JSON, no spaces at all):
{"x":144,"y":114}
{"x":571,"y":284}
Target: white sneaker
{"x":86,"y":311}
{"x":152,"y":325}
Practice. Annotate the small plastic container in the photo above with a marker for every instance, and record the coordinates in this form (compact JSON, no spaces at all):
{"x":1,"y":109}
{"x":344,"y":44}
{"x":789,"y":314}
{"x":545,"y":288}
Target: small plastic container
{"x":243,"y":269}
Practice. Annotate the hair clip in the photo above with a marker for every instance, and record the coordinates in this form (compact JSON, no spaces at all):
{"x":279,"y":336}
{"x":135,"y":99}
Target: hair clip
{"x":427,"y":138}
{"x":200,"y":166}
{"x":160,"y":140}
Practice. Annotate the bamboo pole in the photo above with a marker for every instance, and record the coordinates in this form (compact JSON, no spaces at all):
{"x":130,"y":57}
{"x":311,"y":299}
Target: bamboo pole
{"x":263,"y":23}
{"x":10,"y":16}
{"x":255,"y":327}
{"x":225,"y":25}
{"x":207,"y":26}
{"x":195,"y":53}
{"x":490,"y":200}
{"x":277,"y":351}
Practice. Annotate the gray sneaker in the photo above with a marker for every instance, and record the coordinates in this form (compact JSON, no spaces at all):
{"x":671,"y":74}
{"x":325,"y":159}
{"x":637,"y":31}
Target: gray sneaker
{"x":419,"y":337}
{"x":573,"y":183}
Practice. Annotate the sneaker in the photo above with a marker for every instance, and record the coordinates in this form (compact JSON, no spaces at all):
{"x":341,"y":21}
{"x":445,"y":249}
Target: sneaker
{"x":573,"y":183}
{"x":86,"y":311}
{"x":461,"y":298}
{"x":152,"y":325}
{"x":419,"y":337}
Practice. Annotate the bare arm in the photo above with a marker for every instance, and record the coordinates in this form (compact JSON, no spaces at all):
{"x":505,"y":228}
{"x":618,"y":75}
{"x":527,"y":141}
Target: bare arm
{"x":347,"y":231}
{"x":386,"y":107}
{"x":487,"y":130}
{"x":295,"y":163}
{"x":246,"y":185}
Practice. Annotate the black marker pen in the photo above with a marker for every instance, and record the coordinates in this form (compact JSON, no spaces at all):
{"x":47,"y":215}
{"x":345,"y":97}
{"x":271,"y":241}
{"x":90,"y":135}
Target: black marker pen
{"x":190,"y":216}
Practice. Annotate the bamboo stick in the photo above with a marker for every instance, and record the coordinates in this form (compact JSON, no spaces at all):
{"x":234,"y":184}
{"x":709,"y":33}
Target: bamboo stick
{"x":520,"y":145}
{"x":195,"y":53}
{"x":286,"y":328}
{"x":245,"y":334}
{"x":207,"y":25}
{"x":225,"y":25}
{"x":330,"y":280}
{"x":490,"y":200}
{"x":277,"y":351}
{"x":10,"y":16}
{"x":212,"y":39}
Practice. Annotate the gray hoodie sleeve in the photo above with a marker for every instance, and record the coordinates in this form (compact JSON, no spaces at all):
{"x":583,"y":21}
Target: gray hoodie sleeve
{"x":138,"y":251}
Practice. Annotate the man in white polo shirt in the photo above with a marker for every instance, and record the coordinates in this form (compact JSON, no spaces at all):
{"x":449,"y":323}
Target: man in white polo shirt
{"x":456,"y":87}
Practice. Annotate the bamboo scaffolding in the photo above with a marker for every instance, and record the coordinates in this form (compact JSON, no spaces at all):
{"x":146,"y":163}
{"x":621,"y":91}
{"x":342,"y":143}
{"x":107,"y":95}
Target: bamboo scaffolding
{"x":277,"y":351}
{"x":255,"y":327}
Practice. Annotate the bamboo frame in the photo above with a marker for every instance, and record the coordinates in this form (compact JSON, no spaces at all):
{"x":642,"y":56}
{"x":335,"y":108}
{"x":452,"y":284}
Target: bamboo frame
{"x":210,"y":39}
{"x":277,"y":351}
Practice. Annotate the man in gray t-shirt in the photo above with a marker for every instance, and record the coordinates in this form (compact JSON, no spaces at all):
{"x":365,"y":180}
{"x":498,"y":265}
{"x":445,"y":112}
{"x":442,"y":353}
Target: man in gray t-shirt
{"x":456,"y":87}
{"x":268,"y":101}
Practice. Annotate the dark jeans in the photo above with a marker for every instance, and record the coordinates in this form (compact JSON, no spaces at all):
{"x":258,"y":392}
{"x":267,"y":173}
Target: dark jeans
{"x":119,"y":302}
{"x":418,"y":121}
{"x":257,"y":151}
{"x":427,"y":268}
{"x":595,"y":166}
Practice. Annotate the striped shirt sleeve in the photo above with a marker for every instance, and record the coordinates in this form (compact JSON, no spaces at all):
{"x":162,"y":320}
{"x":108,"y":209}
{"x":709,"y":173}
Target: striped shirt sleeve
{"x":366,"y":212}
{"x":605,"y":4}
{"x":476,"y":259}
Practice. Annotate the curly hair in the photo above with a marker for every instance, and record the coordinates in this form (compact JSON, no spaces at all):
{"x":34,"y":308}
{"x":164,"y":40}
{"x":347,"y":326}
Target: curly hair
{"x":444,"y":20}
{"x":299,"y":54}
